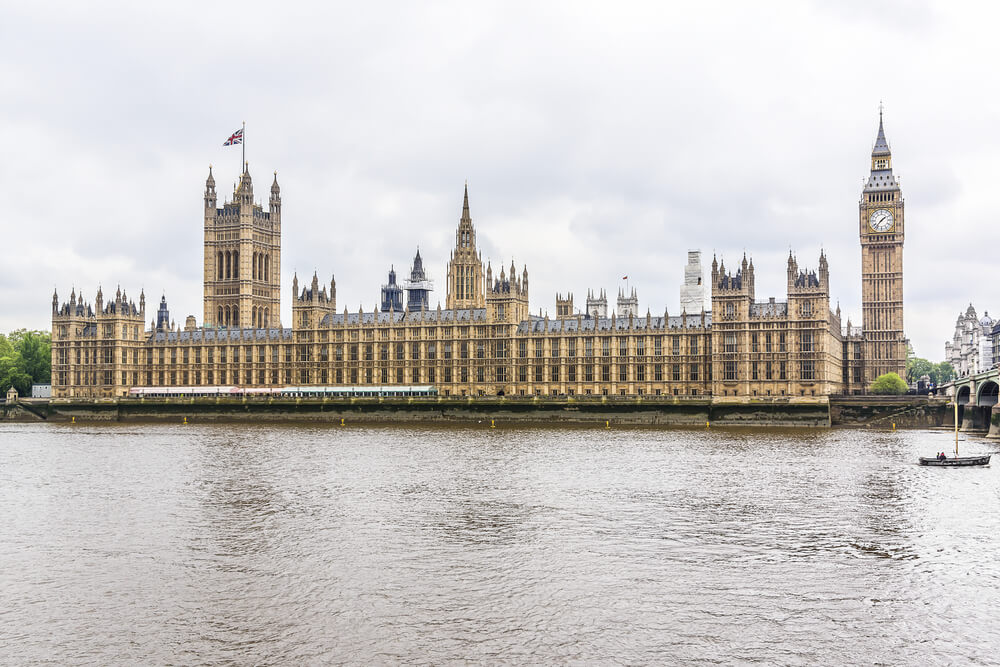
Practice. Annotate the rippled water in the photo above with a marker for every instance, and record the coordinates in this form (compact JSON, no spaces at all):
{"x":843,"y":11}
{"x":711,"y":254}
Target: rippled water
{"x":302,"y":545}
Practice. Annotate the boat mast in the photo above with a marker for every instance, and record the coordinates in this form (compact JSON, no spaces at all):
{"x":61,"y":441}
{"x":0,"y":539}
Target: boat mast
{"x":956,"y":424}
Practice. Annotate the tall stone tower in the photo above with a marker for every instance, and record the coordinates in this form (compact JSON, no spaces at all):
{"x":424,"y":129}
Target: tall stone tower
{"x":465,"y":267}
{"x":564,"y":306}
{"x":597,"y":306}
{"x":881,"y":230}
{"x":692,"y":291}
{"x":628,"y":304}
{"x":242,"y":257}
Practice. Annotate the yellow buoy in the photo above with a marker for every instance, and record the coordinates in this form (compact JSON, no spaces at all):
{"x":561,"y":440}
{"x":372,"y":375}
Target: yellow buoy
{"x":707,"y":425}
{"x":73,"y":420}
{"x":493,"y":423}
{"x":185,"y":420}
{"x":607,"y":423}
{"x":342,"y":421}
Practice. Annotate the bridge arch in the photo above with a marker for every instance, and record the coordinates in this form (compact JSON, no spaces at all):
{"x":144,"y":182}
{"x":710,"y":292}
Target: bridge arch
{"x":987,"y":395}
{"x":964,"y":394}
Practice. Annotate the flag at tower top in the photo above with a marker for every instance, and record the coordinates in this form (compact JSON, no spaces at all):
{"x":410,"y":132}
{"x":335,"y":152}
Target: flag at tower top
{"x":235,"y":138}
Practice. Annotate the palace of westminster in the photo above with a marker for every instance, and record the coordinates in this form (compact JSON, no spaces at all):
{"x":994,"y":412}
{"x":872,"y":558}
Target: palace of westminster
{"x":485,"y":342}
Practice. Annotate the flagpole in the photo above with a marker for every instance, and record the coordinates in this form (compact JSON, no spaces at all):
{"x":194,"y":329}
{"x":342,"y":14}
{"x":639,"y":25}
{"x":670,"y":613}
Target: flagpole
{"x":243,"y":143}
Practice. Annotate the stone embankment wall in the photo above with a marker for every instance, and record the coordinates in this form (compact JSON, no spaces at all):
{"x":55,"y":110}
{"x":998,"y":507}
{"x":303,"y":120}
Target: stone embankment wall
{"x":904,"y":412}
{"x":884,"y":411}
{"x":664,"y":411}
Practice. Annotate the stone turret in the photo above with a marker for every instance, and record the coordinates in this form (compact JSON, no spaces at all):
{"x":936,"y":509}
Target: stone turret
{"x":564,"y":306}
{"x":507,"y":297}
{"x":274,"y":205}
{"x":597,"y":306}
{"x":628,"y":304}
{"x":809,"y":291}
{"x":312,"y":304}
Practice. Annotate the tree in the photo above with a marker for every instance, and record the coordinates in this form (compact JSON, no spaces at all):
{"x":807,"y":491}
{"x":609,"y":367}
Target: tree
{"x":943,"y":372}
{"x":25,"y":359}
{"x":35,"y":350}
{"x":889,"y":383}
{"x":917,"y":367}
{"x":11,"y":373}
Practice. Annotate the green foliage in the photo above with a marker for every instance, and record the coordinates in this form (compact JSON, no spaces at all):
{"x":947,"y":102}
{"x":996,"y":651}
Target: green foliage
{"x":939,"y":373}
{"x":25,"y":359}
{"x":945,"y":372}
{"x":917,"y":367}
{"x":889,"y":383}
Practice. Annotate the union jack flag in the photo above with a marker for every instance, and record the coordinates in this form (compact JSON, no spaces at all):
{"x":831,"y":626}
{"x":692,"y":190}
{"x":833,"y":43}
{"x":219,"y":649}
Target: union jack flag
{"x":235,"y":138}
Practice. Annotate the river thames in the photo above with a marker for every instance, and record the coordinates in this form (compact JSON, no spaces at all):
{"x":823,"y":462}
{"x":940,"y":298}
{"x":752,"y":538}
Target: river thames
{"x":157,"y":544}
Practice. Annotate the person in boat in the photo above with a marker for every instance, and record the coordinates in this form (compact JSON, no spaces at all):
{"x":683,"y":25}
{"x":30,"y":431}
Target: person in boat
{"x":942,"y":456}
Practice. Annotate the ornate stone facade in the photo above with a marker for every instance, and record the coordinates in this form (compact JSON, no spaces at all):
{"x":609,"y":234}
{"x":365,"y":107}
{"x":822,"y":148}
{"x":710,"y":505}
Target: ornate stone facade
{"x":775,"y":348}
{"x":465,"y":267}
{"x":970,"y":350}
{"x":242,"y":257}
{"x":485,"y":341}
{"x":881,"y":230}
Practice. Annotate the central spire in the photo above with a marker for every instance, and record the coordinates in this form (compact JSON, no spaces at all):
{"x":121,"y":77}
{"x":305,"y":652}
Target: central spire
{"x":466,"y":216}
{"x":465,"y":269}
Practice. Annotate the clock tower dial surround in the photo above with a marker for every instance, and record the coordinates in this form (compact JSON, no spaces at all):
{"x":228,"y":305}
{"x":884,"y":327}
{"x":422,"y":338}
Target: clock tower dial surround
{"x":881,"y":229}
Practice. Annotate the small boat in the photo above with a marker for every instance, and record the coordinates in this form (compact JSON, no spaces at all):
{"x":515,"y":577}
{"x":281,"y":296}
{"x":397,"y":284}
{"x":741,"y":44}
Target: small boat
{"x":955,"y":460}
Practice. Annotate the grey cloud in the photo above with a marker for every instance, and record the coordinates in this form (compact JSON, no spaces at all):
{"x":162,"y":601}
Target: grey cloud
{"x":597,"y":141}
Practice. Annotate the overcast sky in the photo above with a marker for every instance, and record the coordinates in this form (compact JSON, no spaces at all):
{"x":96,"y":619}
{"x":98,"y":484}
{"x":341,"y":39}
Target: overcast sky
{"x":598,"y":139}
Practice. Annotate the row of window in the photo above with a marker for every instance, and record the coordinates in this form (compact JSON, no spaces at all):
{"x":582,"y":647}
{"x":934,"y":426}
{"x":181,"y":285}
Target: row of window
{"x":769,"y":370}
{"x":482,"y":374}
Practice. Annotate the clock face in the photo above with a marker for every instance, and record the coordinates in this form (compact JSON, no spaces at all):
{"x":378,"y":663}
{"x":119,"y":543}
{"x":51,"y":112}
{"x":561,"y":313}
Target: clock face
{"x":881,"y":220}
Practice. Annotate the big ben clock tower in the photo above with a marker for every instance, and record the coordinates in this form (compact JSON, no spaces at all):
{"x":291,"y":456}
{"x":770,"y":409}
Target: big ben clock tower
{"x":881,"y":229}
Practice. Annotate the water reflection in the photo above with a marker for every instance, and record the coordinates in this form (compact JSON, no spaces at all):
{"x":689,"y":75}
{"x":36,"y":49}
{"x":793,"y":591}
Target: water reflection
{"x":285,"y":544}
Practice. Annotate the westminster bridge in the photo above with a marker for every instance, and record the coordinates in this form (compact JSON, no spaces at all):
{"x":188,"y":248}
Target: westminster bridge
{"x":977,"y":400}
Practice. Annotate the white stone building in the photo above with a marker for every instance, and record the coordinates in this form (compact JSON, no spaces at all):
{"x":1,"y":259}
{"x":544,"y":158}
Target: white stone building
{"x":970,"y":350}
